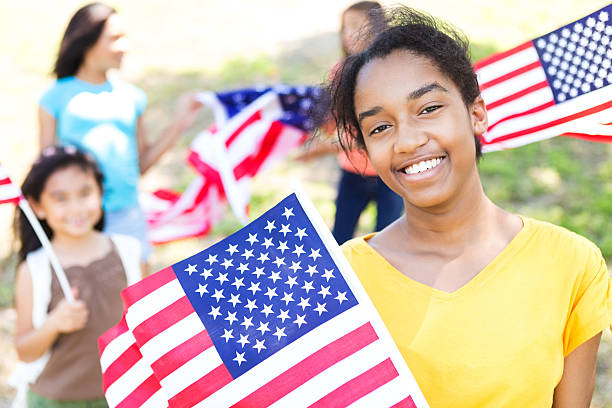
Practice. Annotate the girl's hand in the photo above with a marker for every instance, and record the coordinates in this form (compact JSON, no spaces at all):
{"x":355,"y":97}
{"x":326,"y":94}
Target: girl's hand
{"x":69,"y":317}
{"x":187,"y":109}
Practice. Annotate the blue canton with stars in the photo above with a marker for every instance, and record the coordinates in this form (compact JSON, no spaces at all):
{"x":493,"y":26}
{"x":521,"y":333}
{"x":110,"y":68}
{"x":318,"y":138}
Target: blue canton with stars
{"x":264,"y":286}
{"x":576,"y":58}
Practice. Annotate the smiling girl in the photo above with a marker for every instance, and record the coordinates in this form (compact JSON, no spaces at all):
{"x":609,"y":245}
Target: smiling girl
{"x":489,"y":308}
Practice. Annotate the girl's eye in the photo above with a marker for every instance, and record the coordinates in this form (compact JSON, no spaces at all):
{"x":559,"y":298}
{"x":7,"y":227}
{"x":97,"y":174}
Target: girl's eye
{"x":379,"y":129}
{"x":431,"y":109}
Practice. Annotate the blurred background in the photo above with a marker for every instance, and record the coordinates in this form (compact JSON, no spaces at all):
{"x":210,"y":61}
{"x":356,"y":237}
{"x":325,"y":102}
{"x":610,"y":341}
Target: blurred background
{"x":186,"y":45}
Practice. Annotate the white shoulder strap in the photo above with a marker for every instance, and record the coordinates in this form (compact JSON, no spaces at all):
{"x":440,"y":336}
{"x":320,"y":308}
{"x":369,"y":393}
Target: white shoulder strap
{"x":129,"y":252}
{"x":41,"y":273}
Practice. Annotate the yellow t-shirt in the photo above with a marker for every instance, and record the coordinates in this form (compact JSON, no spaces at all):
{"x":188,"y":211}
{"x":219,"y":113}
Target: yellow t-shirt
{"x":500,"y":340}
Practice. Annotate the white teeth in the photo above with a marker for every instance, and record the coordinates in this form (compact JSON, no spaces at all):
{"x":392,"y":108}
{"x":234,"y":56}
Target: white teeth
{"x":422,"y":166}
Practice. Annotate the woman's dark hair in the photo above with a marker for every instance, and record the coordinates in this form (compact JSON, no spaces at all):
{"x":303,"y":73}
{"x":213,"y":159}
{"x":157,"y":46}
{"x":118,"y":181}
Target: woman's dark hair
{"x":82,"y":33}
{"x":372,"y":9}
{"x":408,"y":30}
{"x":52,"y":159}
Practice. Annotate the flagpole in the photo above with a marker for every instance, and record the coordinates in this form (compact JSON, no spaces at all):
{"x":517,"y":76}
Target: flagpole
{"x":40,"y":233}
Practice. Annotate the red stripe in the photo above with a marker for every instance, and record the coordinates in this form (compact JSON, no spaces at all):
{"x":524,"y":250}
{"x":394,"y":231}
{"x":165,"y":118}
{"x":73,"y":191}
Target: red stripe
{"x":141,"y":394}
{"x":181,"y":354}
{"x":510,"y":75}
{"x":137,"y":291}
{"x":162,"y":320}
{"x":590,"y":138}
{"x":250,"y":165}
{"x":111,"y":334}
{"x":14,"y":200}
{"x":202,"y":388}
{"x":308,"y":368}
{"x":405,"y":403}
{"x":122,"y":364}
{"x":359,"y":386}
{"x":527,"y":112}
{"x":252,"y":119}
{"x":5,"y":181}
{"x":517,"y":95}
{"x":496,"y":57}
{"x":555,"y":122}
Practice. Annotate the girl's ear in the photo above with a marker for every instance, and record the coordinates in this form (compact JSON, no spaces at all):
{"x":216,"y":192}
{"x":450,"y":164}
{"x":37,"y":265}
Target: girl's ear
{"x":480,"y":121}
{"x":40,"y":213}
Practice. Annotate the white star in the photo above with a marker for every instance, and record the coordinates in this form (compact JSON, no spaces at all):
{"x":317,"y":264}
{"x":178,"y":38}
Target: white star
{"x":214,"y":312}
{"x":254,"y":287}
{"x":314,"y":254}
{"x":282,"y":246}
{"x":207,"y":273}
{"x":211,"y":259}
{"x":324,"y":291}
{"x":267,"y":309}
{"x":263,"y":257}
{"x":247,"y":322}
{"x":258,"y":272}
{"x":222,"y":278}
{"x":238,"y":283}
{"x":341,"y":297}
{"x":232,"y":249}
{"x":304,"y":302}
{"x":231,"y":317}
{"x":259,"y":345}
{"x":288,"y":212}
{"x":191,"y":269}
{"x":239,"y":358}
{"x":270,"y":293}
{"x":244,"y":339}
{"x":279,"y":261}
{"x":279,"y":333}
{"x":300,"y":320}
{"x":308,"y":286}
{"x":295,"y":266}
{"x":227,"y":263}
{"x":251,"y":305}
{"x":263,"y":328}
{"x":299,"y":250}
{"x":284,"y":314}
{"x":247,"y":253}
{"x":292,"y":280}
{"x":285,"y":229}
{"x":218,"y":295}
{"x":243,"y":267}
{"x":267,"y":242}
{"x":269,"y":226}
{"x":320,"y":308}
{"x":274,"y":276}
{"x":311,"y":270}
{"x":201,"y":289}
{"x":328,"y":274}
{"x":227,"y":334}
{"x":252,"y":239}
{"x":288,"y":298}
{"x":301,"y":233}
{"x":234,"y":299}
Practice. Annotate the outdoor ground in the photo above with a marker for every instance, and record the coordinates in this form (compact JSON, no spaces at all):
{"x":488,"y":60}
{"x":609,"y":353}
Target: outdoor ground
{"x":206,"y":44}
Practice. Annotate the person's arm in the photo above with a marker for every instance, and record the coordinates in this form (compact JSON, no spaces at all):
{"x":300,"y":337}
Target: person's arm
{"x":66,"y":317}
{"x":149,"y":153}
{"x":47,"y":129}
{"x":575,"y":389}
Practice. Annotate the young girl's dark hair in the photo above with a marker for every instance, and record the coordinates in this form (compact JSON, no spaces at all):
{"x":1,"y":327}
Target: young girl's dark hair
{"x":412,"y":31}
{"x":52,"y":159}
{"x":82,"y":33}
{"x":372,"y":9}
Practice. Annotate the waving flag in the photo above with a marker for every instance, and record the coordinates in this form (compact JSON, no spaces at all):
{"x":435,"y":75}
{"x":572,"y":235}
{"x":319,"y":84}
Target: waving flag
{"x":9,"y":193}
{"x":272,"y":314}
{"x":557,"y":84}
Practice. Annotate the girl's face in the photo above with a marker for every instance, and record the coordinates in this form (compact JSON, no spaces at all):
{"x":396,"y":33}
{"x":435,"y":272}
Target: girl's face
{"x":418,"y":132}
{"x":108,"y":51}
{"x":352,"y":22}
{"x":70,"y":202}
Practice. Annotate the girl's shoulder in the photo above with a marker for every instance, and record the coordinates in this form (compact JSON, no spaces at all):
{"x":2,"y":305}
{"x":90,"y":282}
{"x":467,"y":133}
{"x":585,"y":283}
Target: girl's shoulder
{"x":550,"y":235}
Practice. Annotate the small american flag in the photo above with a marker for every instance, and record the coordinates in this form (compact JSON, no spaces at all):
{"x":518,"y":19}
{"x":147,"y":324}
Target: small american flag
{"x":557,"y":84}
{"x":270,"y":316}
{"x":9,"y":192}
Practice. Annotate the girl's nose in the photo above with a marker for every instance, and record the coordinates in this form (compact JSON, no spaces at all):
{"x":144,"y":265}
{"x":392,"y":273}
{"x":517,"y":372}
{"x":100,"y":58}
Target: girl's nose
{"x":409,"y":139}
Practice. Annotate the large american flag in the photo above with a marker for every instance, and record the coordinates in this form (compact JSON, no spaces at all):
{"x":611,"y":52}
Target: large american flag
{"x":9,"y":192}
{"x":270,"y":316}
{"x":557,"y":84}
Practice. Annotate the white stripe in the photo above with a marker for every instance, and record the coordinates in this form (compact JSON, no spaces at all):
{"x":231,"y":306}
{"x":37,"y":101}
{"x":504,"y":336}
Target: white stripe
{"x":157,"y":400}
{"x":286,"y":358}
{"x":3,"y":173}
{"x":191,"y":371}
{"x":513,"y":85}
{"x":171,"y":337}
{"x":127,"y":383}
{"x":506,"y":65}
{"x":334,"y":377}
{"x":248,"y":142}
{"x":115,"y":348}
{"x":9,"y":191}
{"x":386,"y":396}
{"x":522,"y":104}
{"x":153,"y":303}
